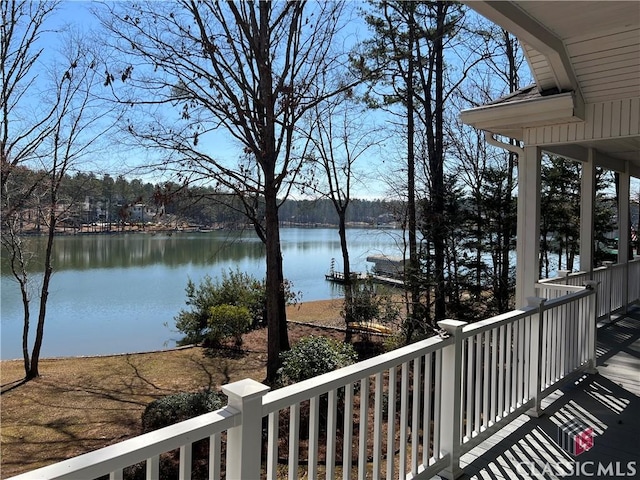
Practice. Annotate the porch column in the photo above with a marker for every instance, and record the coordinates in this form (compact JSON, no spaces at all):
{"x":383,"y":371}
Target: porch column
{"x":624,"y":192}
{"x":624,"y":189}
{"x":587,"y":206}
{"x":528,"y":231}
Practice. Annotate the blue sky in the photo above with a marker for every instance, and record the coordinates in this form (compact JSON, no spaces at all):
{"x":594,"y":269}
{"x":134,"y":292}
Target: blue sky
{"x":77,"y":15}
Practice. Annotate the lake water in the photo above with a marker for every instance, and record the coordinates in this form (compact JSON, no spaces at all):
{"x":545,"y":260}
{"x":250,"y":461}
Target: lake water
{"x":120,"y":293}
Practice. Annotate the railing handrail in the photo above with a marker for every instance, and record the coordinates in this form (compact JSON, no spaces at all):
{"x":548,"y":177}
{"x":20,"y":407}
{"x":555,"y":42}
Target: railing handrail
{"x":497,"y":321}
{"x":140,"y":448}
{"x":306,"y":389}
{"x":570,"y":297}
{"x":559,"y":286}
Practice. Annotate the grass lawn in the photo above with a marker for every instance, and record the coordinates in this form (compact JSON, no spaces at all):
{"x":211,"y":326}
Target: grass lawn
{"x":82,"y":404}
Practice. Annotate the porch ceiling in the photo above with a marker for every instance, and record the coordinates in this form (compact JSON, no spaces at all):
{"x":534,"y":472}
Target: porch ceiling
{"x":590,"y":50}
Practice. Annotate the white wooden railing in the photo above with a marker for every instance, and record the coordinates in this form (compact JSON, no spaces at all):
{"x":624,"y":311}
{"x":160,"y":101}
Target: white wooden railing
{"x":409,"y":413}
{"x":618,"y":285}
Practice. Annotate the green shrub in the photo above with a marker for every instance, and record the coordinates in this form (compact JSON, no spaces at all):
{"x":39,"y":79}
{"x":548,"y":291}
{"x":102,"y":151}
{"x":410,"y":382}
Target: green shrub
{"x":313,"y":356}
{"x":365,"y":304}
{"x":228,"y":321}
{"x":234,"y":288}
{"x":178,"y":407}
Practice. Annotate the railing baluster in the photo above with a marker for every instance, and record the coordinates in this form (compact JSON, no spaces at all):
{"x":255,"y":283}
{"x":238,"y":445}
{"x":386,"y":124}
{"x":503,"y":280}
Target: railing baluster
{"x":501,"y":372}
{"x":573,"y":342}
{"x":463,"y":391}
{"x":377,"y":427}
{"x":426,"y":418}
{"x":527,"y":358}
{"x":485,"y":379}
{"x":331,"y":435}
{"x":437,"y":406}
{"x":495,"y":366}
{"x":391,"y":424}
{"x":565,"y":316}
{"x":546,"y":356}
{"x":514,"y":366}
{"x":153,"y":468}
{"x":272,"y":446}
{"x":116,"y":475}
{"x":314,"y":422}
{"x":347,"y":438}
{"x":185,"y":462}
{"x":556,"y":343}
{"x":520,"y":376}
{"x":294,"y":440}
{"x":469,"y":397}
{"x":404,"y":420}
{"x":363,"y":427}
{"x":415,"y":415}
{"x":477,"y":403}
{"x":509,"y":362}
{"x":214,"y":457}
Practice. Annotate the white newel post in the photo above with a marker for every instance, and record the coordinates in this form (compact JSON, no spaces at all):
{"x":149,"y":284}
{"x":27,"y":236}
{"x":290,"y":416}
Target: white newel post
{"x":450,"y":421}
{"x":535,"y":364}
{"x":244,"y":442}
{"x":562,"y":274}
{"x":593,"y":324}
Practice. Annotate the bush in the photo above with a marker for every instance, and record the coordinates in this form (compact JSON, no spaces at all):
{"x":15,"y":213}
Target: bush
{"x":235,"y":288}
{"x":313,"y":356}
{"x":178,"y":407}
{"x":228,"y":321}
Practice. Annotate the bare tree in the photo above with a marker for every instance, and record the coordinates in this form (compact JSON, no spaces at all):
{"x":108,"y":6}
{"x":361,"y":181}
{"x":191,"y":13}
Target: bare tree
{"x":250,"y":69}
{"x":21,"y":134}
{"x":23,"y":23}
{"x":340,"y":140}
{"x":39,"y":154}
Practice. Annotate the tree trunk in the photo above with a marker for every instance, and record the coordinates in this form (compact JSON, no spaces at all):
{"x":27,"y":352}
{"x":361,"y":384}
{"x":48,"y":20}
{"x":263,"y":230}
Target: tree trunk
{"x":411,"y":276}
{"x":346,"y":268}
{"x":25,"y":328}
{"x":437,"y":166}
{"x":44,"y":296}
{"x":276,"y":314}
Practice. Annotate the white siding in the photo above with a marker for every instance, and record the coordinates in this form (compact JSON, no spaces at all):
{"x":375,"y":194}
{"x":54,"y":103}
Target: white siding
{"x":612,"y":119}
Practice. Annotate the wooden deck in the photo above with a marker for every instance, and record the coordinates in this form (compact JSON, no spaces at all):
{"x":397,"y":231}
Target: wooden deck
{"x":608,"y":401}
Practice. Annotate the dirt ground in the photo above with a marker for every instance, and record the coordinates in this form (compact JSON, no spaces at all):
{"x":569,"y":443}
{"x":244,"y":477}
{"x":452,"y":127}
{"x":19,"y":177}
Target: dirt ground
{"x":85,"y":403}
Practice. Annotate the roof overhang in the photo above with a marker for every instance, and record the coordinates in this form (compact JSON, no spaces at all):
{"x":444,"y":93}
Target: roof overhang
{"x":531,"y":32}
{"x":511,"y":118}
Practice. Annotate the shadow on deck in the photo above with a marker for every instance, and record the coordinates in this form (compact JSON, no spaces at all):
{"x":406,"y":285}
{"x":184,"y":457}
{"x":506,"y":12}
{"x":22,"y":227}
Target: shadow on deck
{"x":608,"y":402}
